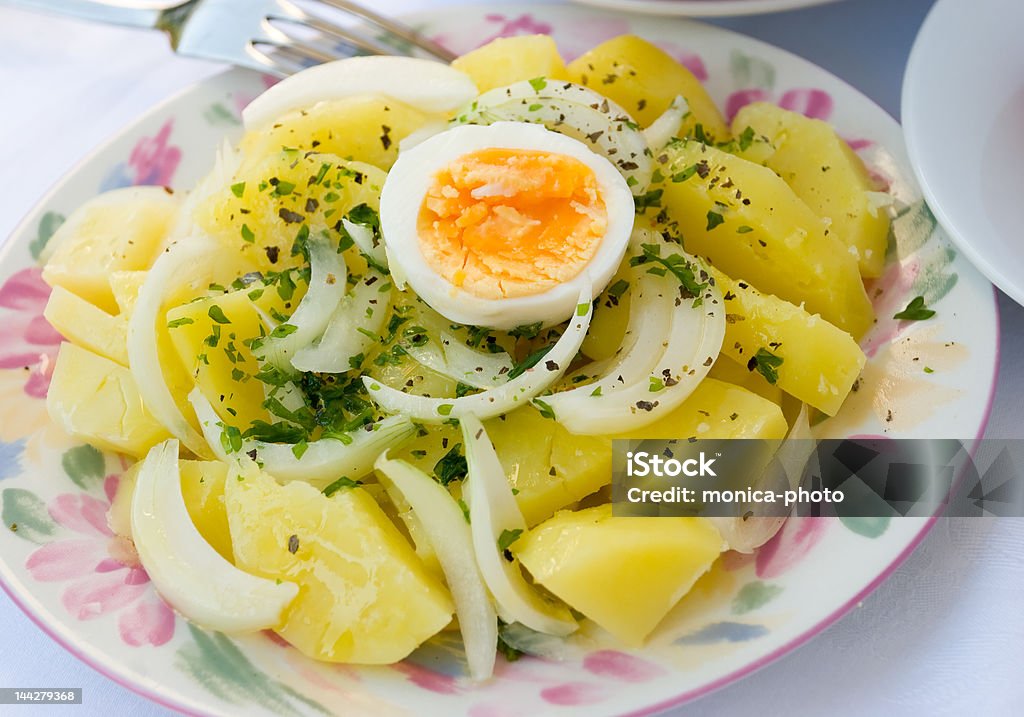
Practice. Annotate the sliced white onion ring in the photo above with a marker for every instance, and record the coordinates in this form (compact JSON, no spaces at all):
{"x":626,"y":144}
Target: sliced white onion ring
{"x":438,"y":88}
{"x":327,"y":286}
{"x":662,"y":130}
{"x":744,"y":535}
{"x":493,"y":510}
{"x":368,"y":244}
{"x":446,"y":528}
{"x":494,"y":401}
{"x":459,"y":362}
{"x":573,"y":110}
{"x":360,"y":315}
{"x":188,"y":573}
{"x":197,"y":259}
{"x":321,"y":462}
{"x":684,"y":357}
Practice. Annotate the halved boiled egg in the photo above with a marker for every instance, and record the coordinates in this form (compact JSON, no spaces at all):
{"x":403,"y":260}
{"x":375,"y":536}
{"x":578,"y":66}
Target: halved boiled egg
{"x":503,"y":225}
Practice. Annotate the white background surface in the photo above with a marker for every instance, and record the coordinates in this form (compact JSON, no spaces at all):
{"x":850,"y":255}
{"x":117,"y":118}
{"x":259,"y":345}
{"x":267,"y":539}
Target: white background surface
{"x":944,"y":635}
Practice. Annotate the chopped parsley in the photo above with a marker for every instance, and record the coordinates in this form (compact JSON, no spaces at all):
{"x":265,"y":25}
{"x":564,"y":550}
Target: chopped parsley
{"x":508,"y":537}
{"x":915,"y":311}
{"x":648,"y":200}
{"x":217,"y":314}
{"x":529,"y":362}
{"x":452,"y":466}
{"x":238,"y":189}
{"x":183,"y":321}
{"x":545,"y":408}
{"x":714,"y":219}
{"x":343,"y":482}
{"x":765,"y":363}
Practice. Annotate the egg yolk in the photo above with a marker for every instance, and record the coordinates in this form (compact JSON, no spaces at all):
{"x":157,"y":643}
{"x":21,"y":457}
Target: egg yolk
{"x":502,"y":223}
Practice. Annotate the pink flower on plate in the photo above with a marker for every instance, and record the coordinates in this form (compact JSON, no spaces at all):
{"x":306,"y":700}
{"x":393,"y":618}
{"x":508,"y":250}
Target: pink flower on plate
{"x":102,"y":569}
{"x":816,"y":104}
{"x":27,"y":341}
{"x":153,"y":161}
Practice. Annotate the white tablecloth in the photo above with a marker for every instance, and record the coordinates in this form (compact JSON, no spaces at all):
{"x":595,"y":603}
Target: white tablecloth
{"x":944,"y":635}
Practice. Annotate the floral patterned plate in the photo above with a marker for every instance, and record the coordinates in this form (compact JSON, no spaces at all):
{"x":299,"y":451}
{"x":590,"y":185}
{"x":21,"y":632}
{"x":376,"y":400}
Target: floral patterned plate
{"x":84,"y":587}
{"x":703,"y":8}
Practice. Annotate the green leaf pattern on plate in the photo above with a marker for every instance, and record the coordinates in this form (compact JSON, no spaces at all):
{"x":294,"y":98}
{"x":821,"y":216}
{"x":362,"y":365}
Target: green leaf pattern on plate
{"x":25,"y":514}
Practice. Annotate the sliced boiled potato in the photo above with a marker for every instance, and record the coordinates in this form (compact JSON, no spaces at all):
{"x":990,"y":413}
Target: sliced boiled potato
{"x":88,"y":326}
{"x":365,"y":129}
{"x":645,"y":80}
{"x":123,"y":229}
{"x":512,"y":59}
{"x":210,"y":336}
{"x":125,"y":286}
{"x":364,"y":595}
{"x":717,"y":409}
{"x":747,"y":222}
{"x":625,"y":574}
{"x":98,"y":401}
{"x":819,"y":362}
{"x":548,"y":466}
{"x":825,"y":173}
{"x":193,"y":577}
{"x":281,"y":198}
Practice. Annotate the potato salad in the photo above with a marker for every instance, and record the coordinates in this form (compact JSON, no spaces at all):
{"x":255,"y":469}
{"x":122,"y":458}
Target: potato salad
{"x":370,"y":368}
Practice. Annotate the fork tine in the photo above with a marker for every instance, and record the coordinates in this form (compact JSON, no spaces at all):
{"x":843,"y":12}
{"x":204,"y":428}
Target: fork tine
{"x":353,"y":39}
{"x":390,"y":27}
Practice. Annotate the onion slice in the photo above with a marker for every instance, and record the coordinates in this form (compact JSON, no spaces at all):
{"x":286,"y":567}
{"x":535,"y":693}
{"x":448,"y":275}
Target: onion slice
{"x":189,"y":574}
{"x":321,"y":462}
{"x":573,"y":110}
{"x":783,"y":472}
{"x":445,"y":527}
{"x":327,"y":287}
{"x":360,"y":315}
{"x":494,"y":401}
{"x":492,"y":511}
{"x":694,"y":340}
{"x":662,"y":130}
{"x":194,"y":258}
{"x":438,"y":87}
{"x":461,"y":363}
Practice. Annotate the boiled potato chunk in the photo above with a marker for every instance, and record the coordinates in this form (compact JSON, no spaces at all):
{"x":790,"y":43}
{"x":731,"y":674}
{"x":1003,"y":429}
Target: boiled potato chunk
{"x":364,"y":595}
{"x":88,"y":326}
{"x":717,"y":409}
{"x":365,"y":129}
{"x":98,"y":401}
{"x":548,"y":466}
{"x":284,"y":196}
{"x":747,"y":222}
{"x":202,"y":485}
{"x":120,"y":230}
{"x":819,"y":361}
{"x":125,"y":286}
{"x":210,"y":338}
{"x":512,"y":59}
{"x":645,"y":80}
{"x":826,"y":174}
{"x":625,"y":574}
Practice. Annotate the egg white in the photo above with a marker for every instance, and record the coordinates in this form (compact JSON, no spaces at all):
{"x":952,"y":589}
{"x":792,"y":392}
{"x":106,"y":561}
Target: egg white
{"x":406,"y":188}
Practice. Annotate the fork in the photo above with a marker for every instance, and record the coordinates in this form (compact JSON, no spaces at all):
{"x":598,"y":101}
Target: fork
{"x":276,"y":36}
